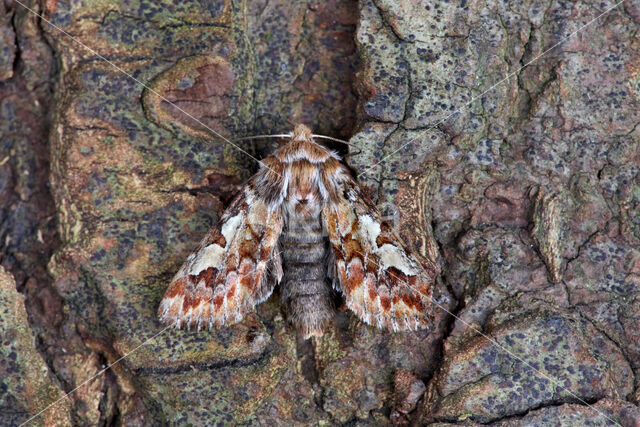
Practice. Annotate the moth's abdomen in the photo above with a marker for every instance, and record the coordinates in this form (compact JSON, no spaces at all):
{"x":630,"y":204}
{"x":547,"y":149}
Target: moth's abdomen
{"x":304,"y":287}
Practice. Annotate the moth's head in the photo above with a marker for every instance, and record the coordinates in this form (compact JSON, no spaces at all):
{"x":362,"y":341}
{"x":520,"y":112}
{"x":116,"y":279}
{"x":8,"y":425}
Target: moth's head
{"x":301,"y":133}
{"x":301,"y":146}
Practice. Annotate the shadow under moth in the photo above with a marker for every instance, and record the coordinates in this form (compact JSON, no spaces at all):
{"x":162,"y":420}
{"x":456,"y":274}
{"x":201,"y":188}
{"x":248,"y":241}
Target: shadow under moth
{"x":301,"y":221}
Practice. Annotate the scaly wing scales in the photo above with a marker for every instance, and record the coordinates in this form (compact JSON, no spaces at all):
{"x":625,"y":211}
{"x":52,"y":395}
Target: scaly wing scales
{"x":383,"y":284}
{"x":226,"y":276}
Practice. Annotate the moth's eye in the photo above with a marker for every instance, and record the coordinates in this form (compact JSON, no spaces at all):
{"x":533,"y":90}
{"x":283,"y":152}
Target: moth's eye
{"x":303,"y":197}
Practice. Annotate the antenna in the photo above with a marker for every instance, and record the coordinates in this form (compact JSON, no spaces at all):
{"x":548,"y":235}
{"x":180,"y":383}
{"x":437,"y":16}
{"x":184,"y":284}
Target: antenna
{"x":288,"y":135}
{"x":277,"y":135}
{"x":330,"y":138}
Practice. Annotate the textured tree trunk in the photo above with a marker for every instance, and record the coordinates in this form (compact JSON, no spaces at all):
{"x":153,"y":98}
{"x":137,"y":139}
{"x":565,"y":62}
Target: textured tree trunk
{"x":506,"y":151}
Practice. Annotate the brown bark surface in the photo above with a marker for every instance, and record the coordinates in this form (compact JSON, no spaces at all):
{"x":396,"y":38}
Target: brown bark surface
{"x":505,"y":152}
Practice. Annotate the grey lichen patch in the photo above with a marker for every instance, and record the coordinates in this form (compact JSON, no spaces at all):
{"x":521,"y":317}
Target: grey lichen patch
{"x":426,"y":20}
{"x":536,"y":359}
{"x":586,"y":77}
{"x":602,"y":413}
{"x":142,"y":29}
{"x":499,"y":257}
{"x":122,"y":29}
{"x":604,"y":266}
{"x":367,"y":150}
{"x":385,"y":80}
{"x":303,"y":59}
{"x":26,"y":384}
{"x":406,"y":148}
{"x":548,"y":230}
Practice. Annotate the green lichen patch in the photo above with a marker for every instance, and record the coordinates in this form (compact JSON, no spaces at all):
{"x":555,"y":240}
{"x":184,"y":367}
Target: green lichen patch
{"x":351,"y":389}
{"x":548,"y":231}
{"x":26,"y":385}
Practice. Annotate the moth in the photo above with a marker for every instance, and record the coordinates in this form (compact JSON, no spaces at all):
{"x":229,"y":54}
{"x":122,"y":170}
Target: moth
{"x":301,"y":222}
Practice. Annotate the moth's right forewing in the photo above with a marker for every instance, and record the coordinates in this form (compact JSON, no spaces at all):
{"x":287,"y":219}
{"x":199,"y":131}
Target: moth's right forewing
{"x":383,"y":283}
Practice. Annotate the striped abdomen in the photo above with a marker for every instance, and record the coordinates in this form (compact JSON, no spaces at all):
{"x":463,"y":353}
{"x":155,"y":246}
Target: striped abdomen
{"x":304,"y":287}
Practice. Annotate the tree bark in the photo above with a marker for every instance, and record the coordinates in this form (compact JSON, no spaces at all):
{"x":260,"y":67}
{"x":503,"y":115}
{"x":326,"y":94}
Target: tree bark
{"x":502,"y":137}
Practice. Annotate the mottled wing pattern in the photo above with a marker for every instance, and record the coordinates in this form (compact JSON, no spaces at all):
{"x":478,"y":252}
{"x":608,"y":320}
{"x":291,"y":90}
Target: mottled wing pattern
{"x":382,"y":283}
{"x":226,"y":275}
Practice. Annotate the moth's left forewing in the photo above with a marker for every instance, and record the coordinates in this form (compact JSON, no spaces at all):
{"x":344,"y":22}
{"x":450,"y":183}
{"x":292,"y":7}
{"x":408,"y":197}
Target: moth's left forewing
{"x":382,"y":282}
{"x":190,"y":294}
{"x":226,"y":276}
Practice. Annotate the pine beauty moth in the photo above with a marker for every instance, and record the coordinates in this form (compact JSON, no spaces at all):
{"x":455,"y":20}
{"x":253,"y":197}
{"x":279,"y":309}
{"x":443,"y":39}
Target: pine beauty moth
{"x":302,"y":221}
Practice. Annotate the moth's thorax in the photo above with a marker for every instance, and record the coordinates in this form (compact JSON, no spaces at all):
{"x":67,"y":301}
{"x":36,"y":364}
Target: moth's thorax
{"x":302,"y":163}
{"x":304,"y":207}
{"x":301,"y":177}
{"x":304,"y":195}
